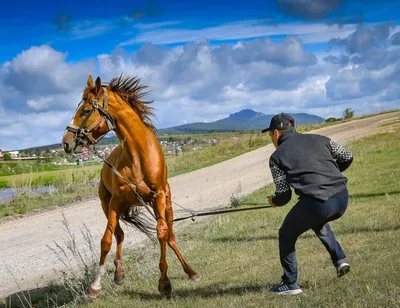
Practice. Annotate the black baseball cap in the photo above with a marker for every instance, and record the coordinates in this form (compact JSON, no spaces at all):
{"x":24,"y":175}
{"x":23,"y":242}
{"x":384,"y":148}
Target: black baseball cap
{"x":280,"y":121}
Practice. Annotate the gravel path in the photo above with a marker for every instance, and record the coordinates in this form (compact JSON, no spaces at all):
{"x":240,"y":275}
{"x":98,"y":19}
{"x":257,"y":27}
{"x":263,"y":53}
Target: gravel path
{"x":24,"y":243}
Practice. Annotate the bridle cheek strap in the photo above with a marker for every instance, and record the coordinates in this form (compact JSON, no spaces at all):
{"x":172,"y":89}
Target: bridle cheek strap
{"x":87,"y":131}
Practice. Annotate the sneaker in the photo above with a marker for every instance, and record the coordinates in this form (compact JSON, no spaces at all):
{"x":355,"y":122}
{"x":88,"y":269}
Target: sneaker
{"x":343,"y":269}
{"x":287,"y":289}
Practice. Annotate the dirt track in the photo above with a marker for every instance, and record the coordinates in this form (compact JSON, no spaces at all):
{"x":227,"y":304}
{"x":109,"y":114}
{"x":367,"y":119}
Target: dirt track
{"x":24,"y":242}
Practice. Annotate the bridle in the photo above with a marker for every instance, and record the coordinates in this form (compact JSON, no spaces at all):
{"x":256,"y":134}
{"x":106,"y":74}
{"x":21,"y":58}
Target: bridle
{"x":83,"y":131}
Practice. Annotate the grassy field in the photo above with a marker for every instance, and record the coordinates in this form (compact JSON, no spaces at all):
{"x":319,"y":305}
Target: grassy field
{"x":236,"y":254}
{"x":17,"y":167}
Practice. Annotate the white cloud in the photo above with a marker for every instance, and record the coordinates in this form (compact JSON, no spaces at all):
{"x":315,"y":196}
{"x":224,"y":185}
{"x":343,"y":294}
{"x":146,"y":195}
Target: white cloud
{"x":147,"y":26}
{"x":39,"y":91}
{"x":79,"y":29}
{"x":40,"y":78}
{"x":307,"y":33}
{"x":18,"y":131}
{"x":374,"y":65}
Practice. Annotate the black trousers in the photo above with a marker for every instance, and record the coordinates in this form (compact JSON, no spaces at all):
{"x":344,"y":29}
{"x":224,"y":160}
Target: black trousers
{"x":310,"y":213}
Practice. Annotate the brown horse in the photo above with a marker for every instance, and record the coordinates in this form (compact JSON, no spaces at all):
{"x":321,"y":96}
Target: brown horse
{"x":139,"y":158}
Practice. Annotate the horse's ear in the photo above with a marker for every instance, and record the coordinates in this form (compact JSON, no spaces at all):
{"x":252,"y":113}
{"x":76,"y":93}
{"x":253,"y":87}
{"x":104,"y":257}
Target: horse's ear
{"x":90,"y":82}
{"x":98,"y":85}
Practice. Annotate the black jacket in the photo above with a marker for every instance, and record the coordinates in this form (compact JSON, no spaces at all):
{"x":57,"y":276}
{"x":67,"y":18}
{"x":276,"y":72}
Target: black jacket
{"x":311,"y":164}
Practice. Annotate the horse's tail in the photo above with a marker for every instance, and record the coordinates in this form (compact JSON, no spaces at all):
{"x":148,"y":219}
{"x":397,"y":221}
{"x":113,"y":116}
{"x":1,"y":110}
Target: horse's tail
{"x":133,"y":216}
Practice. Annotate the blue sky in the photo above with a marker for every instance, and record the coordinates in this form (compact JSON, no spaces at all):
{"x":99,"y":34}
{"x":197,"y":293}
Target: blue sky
{"x":207,"y":58}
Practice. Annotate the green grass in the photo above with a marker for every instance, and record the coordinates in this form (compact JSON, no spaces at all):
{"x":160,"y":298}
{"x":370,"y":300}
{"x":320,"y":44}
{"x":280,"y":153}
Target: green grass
{"x":19,"y":167}
{"x":54,"y":177}
{"x":236,"y":254}
{"x":71,"y":185}
{"x":214,"y":154}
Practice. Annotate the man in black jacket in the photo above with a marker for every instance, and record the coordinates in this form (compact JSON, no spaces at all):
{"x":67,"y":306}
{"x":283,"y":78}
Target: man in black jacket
{"x":312,"y":165}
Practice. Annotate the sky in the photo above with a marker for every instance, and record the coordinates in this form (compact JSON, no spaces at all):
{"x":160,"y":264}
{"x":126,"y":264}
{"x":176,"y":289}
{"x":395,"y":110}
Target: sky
{"x":202,"y":61}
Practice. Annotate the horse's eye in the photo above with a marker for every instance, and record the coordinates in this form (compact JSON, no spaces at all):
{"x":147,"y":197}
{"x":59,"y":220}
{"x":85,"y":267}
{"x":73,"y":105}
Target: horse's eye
{"x":86,"y":111}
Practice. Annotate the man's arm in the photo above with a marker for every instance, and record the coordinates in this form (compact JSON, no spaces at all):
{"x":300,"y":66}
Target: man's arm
{"x":283,"y":193}
{"x":343,"y":157}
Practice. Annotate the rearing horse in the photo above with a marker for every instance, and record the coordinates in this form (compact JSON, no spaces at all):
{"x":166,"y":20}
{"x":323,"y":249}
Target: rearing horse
{"x":139,"y":158}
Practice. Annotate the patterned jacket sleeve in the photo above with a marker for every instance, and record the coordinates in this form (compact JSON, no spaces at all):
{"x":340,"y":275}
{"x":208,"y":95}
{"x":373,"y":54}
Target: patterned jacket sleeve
{"x":343,"y":157}
{"x":283,"y":193}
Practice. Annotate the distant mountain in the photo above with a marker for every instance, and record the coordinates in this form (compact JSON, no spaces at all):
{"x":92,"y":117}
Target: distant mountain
{"x":245,"y":119}
{"x":245,"y":114}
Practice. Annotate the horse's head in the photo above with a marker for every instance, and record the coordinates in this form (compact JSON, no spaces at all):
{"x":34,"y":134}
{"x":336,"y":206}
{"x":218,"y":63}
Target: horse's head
{"x":91,"y":120}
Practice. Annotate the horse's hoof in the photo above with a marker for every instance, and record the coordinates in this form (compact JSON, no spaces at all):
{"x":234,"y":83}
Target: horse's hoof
{"x":119,"y":279}
{"x":94,"y":293}
{"x":195,"y":277}
{"x":165,"y":288}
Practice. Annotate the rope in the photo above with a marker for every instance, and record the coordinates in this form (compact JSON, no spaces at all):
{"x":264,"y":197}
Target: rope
{"x":147,"y":207}
{"x":221,"y":212}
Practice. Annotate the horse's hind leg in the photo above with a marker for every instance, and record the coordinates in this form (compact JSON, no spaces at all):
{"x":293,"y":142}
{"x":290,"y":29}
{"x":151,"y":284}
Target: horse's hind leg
{"x":119,"y":272}
{"x":172,"y":243}
{"x":164,"y":284}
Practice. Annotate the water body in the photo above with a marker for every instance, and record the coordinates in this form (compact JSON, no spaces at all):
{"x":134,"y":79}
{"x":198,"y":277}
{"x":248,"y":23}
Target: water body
{"x":10,"y":193}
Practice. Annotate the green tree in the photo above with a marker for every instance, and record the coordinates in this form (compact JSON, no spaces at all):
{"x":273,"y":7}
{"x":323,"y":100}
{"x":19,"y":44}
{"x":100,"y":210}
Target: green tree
{"x":7,"y":156}
{"x":348,"y":113}
{"x":333,"y":119}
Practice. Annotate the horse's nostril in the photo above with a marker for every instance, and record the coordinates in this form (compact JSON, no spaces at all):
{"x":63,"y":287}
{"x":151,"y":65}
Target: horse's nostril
{"x":66,"y":147}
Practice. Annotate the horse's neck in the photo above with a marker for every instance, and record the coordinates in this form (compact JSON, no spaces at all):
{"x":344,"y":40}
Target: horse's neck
{"x":131,"y":132}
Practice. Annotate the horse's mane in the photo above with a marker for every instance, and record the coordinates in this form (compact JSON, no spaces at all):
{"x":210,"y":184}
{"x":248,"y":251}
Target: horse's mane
{"x":131,"y":91}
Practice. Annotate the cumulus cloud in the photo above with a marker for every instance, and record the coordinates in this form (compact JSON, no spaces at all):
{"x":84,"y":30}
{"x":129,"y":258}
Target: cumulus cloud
{"x":365,"y":37}
{"x":341,"y":60}
{"x":396,"y":38}
{"x":18,"y":131}
{"x":200,"y":73}
{"x":374,"y":65}
{"x":40,"y":78}
{"x":39,"y":91}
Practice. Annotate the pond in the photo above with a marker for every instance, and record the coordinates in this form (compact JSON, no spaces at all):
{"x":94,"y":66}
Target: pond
{"x":10,"y":193}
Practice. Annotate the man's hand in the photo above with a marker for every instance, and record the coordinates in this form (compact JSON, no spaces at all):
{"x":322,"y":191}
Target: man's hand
{"x":270,"y":201}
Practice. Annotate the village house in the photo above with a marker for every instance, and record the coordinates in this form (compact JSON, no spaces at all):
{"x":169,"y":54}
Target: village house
{"x":13,"y":154}
{"x":1,"y":155}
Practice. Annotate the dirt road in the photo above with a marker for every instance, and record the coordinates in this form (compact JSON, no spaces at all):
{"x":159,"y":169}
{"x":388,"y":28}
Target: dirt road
{"x":27,"y":260}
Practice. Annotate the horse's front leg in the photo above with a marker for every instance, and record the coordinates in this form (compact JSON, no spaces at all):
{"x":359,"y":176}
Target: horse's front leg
{"x":164,"y":284}
{"x":106,"y":241}
{"x":119,"y":274}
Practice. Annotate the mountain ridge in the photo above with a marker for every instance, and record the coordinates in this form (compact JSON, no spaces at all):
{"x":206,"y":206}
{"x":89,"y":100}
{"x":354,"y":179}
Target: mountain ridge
{"x":245,"y":119}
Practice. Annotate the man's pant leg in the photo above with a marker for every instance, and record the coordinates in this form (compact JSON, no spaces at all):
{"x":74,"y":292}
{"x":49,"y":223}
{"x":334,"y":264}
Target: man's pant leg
{"x":332,"y":209}
{"x":325,"y":234}
{"x":297,"y":221}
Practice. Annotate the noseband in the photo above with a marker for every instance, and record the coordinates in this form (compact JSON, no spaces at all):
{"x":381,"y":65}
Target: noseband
{"x":83,"y":131}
